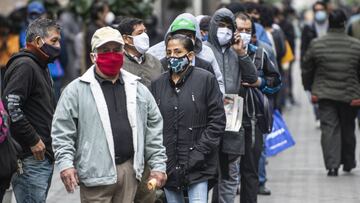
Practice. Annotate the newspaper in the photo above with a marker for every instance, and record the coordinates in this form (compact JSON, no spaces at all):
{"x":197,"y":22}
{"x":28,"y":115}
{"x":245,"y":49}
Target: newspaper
{"x":233,"y":105}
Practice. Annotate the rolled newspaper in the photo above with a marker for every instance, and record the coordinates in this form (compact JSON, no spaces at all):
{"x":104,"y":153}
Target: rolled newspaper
{"x":152,"y":184}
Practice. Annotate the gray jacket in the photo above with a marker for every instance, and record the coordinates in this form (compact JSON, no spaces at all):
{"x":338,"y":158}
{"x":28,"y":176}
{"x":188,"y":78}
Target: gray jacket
{"x":202,"y":51}
{"x":234,"y":69}
{"x":331,"y":67}
{"x":82,"y":136}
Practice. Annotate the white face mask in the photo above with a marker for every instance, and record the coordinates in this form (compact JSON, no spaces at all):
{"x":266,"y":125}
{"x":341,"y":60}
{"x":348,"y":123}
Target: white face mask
{"x":224,"y":35}
{"x":141,"y":42}
{"x":109,"y":18}
{"x":246,"y":38}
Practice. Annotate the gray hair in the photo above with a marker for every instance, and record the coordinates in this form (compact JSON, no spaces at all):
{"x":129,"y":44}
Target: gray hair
{"x":40,"y":27}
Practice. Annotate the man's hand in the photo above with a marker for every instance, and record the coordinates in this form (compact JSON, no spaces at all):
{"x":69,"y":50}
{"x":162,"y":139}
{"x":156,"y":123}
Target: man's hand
{"x":160,"y":178}
{"x":70,"y":179}
{"x":38,"y":150}
{"x":314,"y":99}
{"x":255,"y":84}
{"x":238,"y":46}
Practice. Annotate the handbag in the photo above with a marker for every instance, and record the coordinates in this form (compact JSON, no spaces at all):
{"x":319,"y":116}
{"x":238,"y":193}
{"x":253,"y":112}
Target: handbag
{"x":280,"y":138}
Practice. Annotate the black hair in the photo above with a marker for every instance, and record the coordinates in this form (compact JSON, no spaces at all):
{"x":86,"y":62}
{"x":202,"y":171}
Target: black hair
{"x":205,"y":23}
{"x":267,"y":16}
{"x":126,"y":25}
{"x":251,"y":6}
{"x":235,"y":7}
{"x":319,"y":3}
{"x":96,"y":8}
{"x":337,"y":19}
{"x":245,"y":17}
{"x":184,"y":40}
{"x":40,"y":27}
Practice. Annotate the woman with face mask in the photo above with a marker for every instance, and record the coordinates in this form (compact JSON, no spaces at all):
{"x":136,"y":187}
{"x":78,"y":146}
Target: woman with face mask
{"x":191,"y":104}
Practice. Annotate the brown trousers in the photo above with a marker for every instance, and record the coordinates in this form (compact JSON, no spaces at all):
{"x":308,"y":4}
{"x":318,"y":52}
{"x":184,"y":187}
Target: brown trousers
{"x":121,"y":192}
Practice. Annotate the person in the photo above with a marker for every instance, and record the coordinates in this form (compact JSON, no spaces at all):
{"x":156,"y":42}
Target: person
{"x":145,"y":66}
{"x":98,"y":12}
{"x":237,"y":68}
{"x":330,"y":71}
{"x":315,"y":29}
{"x":253,"y":10}
{"x":201,"y":50}
{"x":270,"y":84}
{"x":190,"y":102}
{"x":29,"y":99}
{"x":125,"y":128}
{"x":9,"y":44}
{"x":184,"y":25}
{"x":203,"y":22}
{"x":34,"y":10}
{"x":136,"y":60}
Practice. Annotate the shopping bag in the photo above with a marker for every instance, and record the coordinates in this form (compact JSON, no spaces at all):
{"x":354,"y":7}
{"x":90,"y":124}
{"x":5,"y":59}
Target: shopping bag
{"x":280,"y":137}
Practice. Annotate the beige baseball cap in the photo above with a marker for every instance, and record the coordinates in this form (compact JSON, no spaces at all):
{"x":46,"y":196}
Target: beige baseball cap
{"x":104,"y":35}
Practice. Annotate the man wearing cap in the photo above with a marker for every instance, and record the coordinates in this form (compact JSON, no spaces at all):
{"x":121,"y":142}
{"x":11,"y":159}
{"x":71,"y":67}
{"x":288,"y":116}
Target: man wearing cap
{"x":35,"y":10}
{"x":106,"y":126}
{"x":186,"y":24}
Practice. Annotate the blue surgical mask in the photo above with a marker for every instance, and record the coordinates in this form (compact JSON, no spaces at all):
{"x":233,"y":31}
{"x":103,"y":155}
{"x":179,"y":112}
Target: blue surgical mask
{"x":205,"y":38}
{"x":178,"y":64}
{"x":320,"y":17}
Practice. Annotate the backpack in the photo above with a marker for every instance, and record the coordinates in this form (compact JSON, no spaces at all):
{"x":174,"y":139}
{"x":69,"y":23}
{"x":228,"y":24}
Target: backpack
{"x":9,"y":148}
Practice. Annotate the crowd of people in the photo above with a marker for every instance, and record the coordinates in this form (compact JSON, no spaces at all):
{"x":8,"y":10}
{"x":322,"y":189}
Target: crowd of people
{"x":116,"y":109}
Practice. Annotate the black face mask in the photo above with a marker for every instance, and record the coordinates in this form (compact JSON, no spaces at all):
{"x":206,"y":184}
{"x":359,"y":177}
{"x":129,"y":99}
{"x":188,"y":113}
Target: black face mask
{"x":52,"y":51}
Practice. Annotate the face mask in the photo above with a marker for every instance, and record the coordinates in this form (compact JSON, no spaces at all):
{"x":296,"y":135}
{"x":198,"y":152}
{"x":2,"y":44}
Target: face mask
{"x":141,"y":42}
{"x":52,"y":51}
{"x":224,"y":35}
{"x":110,"y":63}
{"x":179,"y":64}
{"x":109,"y":18}
{"x":246,"y":38}
{"x":205,"y":38}
{"x":320,"y":17}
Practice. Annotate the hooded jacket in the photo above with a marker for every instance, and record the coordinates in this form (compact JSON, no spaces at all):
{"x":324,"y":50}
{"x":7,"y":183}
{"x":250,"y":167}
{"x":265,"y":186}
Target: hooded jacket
{"x":235,"y":69}
{"x":201,"y":50}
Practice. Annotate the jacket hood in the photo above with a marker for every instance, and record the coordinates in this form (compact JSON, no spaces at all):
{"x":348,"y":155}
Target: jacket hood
{"x":188,"y":16}
{"x":222,"y":14}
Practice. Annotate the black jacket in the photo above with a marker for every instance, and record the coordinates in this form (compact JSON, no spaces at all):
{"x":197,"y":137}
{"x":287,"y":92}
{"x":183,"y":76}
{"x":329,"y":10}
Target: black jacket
{"x":200,"y":63}
{"x":29,"y":99}
{"x":194,"y":120}
{"x":307,"y":35}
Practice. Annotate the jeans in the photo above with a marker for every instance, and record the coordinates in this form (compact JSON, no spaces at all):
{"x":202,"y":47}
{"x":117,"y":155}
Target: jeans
{"x":225,"y":190}
{"x":197,"y":192}
{"x":262,"y":165}
{"x":33,"y":185}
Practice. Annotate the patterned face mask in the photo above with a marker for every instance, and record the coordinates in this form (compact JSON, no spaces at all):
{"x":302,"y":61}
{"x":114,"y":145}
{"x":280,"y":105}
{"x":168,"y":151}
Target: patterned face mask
{"x":178,"y":64}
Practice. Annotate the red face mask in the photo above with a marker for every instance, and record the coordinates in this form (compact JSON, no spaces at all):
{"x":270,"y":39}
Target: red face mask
{"x":110,"y":63}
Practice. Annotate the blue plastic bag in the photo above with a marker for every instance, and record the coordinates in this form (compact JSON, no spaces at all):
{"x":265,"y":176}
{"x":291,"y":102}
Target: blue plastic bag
{"x":280,"y":138}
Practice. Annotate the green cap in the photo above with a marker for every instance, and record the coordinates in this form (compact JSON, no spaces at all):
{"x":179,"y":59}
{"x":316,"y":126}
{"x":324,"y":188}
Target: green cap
{"x":182,"y":24}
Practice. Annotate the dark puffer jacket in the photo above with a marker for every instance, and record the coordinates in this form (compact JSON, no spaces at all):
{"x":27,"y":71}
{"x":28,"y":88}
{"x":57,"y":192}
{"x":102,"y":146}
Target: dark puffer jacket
{"x":331,"y":67}
{"x":194,"y":120}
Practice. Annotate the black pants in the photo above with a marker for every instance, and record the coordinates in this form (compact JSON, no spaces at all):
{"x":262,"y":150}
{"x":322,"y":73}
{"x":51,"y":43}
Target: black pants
{"x":2,"y":193}
{"x":337,"y":133}
{"x":249,"y":166}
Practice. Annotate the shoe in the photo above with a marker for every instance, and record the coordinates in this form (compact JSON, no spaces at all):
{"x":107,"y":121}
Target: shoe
{"x":333,"y":172}
{"x":349,"y":168}
{"x":264,"y":190}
